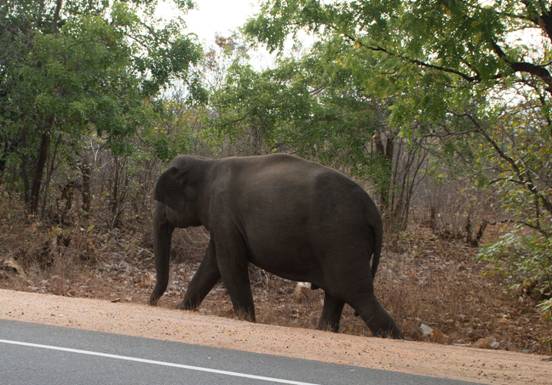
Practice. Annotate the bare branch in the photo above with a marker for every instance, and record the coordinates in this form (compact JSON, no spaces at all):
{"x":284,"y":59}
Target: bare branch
{"x":470,"y":78}
{"x":536,"y":227}
{"x":524,"y":178}
{"x":517,"y":66}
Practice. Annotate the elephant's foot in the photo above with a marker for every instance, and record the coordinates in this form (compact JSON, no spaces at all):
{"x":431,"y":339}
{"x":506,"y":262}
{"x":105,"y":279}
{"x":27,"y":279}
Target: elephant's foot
{"x":187,"y":305}
{"x":378,"y":320}
{"x":387,"y":330}
{"x":154,"y":298}
{"x":331,"y":313}
{"x":245,"y":314}
{"x":327,"y":326}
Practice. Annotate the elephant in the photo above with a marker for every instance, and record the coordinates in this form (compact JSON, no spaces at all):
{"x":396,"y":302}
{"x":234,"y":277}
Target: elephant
{"x":289,"y":216}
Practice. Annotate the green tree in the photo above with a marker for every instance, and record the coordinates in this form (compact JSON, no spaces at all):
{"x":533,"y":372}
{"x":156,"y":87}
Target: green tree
{"x":457,"y":72}
{"x":318,"y":107}
{"x":82,"y":68}
{"x":469,"y":79}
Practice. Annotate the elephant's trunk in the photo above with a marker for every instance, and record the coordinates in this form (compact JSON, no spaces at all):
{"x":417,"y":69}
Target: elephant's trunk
{"x":162,"y":234}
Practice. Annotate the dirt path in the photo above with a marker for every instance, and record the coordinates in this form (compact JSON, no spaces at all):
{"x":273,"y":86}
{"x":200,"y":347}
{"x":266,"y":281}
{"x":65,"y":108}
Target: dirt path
{"x":478,"y":365}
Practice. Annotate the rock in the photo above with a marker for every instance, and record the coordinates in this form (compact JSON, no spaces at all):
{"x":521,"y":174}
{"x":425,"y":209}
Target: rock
{"x":301,"y":291}
{"x":434,"y":334}
{"x":426,"y":330}
{"x":148,"y":280}
{"x":56,"y":282}
{"x":11,"y":266}
{"x":440,"y":337}
{"x":486,"y":343}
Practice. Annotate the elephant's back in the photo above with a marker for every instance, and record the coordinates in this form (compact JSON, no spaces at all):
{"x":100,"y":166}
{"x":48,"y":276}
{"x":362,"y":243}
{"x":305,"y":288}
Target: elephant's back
{"x":288,"y":185}
{"x":270,"y":163}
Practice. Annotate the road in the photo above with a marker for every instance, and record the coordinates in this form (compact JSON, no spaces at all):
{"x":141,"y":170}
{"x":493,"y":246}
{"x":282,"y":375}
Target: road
{"x":39,"y":354}
{"x":377,"y":355}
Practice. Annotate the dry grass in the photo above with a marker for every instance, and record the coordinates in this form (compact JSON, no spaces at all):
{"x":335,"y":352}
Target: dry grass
{"x":422,"y":279}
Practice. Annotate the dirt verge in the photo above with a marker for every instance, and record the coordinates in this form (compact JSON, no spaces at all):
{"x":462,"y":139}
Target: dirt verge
{"x":455,"y":362}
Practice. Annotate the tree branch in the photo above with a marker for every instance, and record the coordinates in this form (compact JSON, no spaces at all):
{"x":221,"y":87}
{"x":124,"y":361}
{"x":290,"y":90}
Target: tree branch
{"x":517,"y":66}
{"x":57,"y":11}
{"x":535,"y":227}
{"x":469,"y":78}
{"x":543,"y":20}
{"x":523,"y":177}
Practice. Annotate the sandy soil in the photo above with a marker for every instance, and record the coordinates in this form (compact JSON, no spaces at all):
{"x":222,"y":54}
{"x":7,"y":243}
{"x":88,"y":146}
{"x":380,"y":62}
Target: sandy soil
{"x":456,"y":362}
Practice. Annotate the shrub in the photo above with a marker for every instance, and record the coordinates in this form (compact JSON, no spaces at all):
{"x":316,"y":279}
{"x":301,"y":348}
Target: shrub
{"x":525,"y":261}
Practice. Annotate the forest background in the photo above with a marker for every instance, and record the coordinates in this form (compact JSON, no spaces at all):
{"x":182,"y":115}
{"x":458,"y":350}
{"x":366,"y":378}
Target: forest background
{"x":440,"y":108}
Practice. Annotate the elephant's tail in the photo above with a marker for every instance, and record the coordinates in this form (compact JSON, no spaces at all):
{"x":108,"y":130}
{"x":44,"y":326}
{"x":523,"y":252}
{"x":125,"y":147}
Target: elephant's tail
{"x":378,"y":240}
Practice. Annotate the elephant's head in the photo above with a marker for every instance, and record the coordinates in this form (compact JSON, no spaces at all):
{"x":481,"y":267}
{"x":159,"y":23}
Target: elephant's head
{"x":180,"y":188}
{"x":181,"y":195}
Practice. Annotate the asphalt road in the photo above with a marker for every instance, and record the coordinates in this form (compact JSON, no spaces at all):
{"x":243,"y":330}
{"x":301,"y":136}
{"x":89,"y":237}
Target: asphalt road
{"x":38,"y":354}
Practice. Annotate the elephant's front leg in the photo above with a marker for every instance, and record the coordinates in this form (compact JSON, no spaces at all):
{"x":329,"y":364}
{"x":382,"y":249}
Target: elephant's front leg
{"x":231,"y":255}
{"x":206,"y":276}
{"x":331,"y":313}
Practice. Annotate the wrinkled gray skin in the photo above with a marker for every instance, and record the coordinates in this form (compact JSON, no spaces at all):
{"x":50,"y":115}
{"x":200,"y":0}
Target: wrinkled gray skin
{"x":294,"y":218}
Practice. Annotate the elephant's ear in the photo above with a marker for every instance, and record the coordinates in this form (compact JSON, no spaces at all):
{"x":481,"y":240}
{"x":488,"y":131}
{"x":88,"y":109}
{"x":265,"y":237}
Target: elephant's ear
{"x":170,"y":186}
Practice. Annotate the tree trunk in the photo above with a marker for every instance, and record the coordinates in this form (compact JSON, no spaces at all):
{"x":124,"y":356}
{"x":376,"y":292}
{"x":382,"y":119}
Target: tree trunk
{"x":115,"y":193}
{"x":36,"y":183}
{"x":57,"y":12}
{"x":384,"y":153}
{"x":49,"y":172}
{"x":86,"y":172}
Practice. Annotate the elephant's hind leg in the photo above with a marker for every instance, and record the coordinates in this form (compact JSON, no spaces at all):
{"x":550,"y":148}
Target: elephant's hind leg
{"x":331,"y":313}
{"x":206,"y":276}
{"x":376,"y":317}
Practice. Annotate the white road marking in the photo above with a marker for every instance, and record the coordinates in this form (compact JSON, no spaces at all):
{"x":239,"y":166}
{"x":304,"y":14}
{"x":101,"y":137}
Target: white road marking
{"x":154,"y":362}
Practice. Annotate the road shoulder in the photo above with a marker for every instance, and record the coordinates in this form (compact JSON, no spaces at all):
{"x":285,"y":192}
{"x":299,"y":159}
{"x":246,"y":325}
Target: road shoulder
{"x":454,"y":362}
